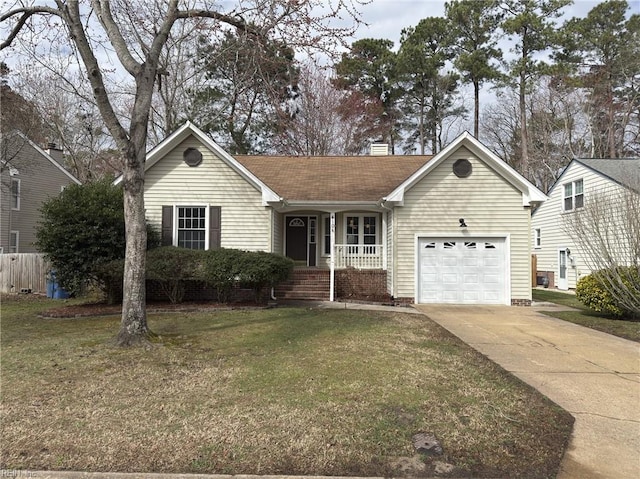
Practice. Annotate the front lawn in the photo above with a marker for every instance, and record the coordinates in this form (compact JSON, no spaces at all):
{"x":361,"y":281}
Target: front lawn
{"x":622,"y":328}
{"x":279,"y":391}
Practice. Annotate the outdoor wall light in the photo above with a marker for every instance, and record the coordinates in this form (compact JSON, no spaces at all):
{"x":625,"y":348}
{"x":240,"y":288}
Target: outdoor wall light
{"x":568,"y":252}
{"x":462,"y":223}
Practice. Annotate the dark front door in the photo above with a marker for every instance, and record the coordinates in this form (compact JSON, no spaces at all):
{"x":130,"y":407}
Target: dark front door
{"x":296,"y":238}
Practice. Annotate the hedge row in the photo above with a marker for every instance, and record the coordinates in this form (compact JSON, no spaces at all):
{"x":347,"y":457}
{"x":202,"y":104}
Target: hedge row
{"x":172,"y":268}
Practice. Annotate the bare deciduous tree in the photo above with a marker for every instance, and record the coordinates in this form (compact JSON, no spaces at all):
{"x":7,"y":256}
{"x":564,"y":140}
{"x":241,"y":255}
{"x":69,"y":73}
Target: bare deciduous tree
{"x":319,"y":119}
{"x":607,"y":230}
{"x":136,"y":32}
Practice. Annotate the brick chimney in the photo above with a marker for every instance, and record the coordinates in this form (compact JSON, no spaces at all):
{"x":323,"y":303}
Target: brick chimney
{"x":54,"y":152}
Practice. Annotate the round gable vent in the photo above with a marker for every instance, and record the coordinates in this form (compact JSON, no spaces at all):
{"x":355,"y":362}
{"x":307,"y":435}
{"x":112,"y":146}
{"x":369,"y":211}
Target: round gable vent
{"x":462,"y":168}
{"x":192,"y":156}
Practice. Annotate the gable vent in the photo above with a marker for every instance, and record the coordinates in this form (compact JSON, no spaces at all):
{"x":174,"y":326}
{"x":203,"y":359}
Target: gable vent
{"x":379,"y":149}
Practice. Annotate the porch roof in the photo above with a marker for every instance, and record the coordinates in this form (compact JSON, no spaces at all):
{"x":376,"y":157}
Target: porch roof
{"x":333,"y":178}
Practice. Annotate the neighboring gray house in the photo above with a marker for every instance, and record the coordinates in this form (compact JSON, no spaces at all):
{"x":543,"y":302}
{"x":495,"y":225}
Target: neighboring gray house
{"x":585,"y":182}
{"x":29,"y":175}
{"x":452,"y":228}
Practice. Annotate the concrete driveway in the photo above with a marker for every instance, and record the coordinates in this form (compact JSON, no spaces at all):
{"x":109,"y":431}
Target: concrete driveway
{"x":593,"y":375}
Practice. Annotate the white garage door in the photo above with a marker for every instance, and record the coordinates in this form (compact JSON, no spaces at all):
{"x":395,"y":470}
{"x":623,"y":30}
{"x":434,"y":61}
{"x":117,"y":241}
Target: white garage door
{"x":462,"y":270}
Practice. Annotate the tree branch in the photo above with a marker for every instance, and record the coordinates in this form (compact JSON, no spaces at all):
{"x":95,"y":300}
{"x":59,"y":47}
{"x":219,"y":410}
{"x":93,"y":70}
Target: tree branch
{"x":26,"y":12}
{"x":237,"y":22}
{"x":103,"y":10}
{"x":71,"y":16}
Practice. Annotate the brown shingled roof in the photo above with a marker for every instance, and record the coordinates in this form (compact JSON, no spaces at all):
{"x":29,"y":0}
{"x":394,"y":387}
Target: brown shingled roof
{"x":333,"y":178}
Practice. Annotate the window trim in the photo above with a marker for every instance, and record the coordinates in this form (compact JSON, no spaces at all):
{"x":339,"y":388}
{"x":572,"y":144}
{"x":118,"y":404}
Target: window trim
{"x":573,"y":195}
{"x":16,"y":234}
{"x":537,"y":238}
{"x":16,"y":181}
{"x":206,"y":222}
{"x":361,"y":234}
{"x":326,"y":235}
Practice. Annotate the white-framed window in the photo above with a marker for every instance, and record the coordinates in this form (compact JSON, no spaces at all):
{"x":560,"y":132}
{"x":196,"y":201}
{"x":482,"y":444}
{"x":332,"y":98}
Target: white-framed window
{"x":362,"y":230}
{"x":537,"y":238}
{"x":312,"y":230}
{"x":326,"y":235}
{"x":191,"y":227}
{"x":573,"y":195}
{"x":14,"y":240}
{"x":15,"y":194}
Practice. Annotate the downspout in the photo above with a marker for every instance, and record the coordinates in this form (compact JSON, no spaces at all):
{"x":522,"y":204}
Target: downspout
{"x":332,"y":262}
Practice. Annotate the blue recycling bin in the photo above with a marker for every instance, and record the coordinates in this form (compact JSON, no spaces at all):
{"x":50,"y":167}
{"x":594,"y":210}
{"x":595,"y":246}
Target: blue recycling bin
{"x":54,"y":290}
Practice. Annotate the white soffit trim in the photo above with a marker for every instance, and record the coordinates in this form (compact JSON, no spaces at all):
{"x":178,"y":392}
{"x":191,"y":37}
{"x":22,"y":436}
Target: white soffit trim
{"x":170,"y":142}
{"x":530,"y":194}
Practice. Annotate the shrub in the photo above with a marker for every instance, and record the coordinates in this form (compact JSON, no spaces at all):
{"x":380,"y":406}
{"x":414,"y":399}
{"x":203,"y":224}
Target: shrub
{"x":109,"y":276}
{"x":82,"y":229}
{"x":260,"y":270}
{"x":171,"y":267}
{"x":614,"y":292}
{"x":221,"y":269}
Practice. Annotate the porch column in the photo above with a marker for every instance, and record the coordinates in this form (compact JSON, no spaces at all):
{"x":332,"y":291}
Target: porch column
{"x":332,"y":261}
{"x":385,"y":241}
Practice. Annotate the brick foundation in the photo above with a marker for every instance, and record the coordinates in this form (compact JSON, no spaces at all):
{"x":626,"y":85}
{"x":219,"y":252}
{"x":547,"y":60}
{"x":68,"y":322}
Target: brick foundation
{"x":404,"y":301}
{"x":362,"y":285}
{"x":540,"y":275}
{"x":520,"y":302}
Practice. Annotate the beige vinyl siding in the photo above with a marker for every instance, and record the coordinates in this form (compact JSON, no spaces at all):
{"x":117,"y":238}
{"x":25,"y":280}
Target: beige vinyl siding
{"x":277,"y":231}
{"x":245,"y":222}
{"x":39,"y":181}
{"x":389,"y":252}
{"x":550,"y":218}
{"x":487,"y":202}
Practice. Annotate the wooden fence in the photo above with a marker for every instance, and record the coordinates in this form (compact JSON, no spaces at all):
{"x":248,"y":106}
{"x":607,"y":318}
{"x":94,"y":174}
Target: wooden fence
{"x":23,"y":272}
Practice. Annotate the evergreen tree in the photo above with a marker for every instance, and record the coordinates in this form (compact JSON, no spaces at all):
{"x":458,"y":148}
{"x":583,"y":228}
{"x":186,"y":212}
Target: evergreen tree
{"x":602,"y":55}
{"x":474,"y":25}
{"x":429,"y":91}
{"x":370,"y":68}
{"x":531,"y":24}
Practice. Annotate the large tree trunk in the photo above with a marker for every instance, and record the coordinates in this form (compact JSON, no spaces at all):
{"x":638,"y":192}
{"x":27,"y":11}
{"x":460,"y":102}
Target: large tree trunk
{"x":476,"y":107}
{"x":133,"y":326}
{"x":524,"y":137}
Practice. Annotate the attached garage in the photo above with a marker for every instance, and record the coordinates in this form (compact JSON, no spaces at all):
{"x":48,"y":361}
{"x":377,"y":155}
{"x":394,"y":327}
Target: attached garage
{"x":463,"y":270}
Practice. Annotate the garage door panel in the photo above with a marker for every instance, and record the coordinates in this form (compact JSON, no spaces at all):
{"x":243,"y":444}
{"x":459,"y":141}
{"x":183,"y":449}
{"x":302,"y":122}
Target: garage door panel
{"x":471,"y":279}
{"x":450,"y":278}
{"x":472,"y":271}
{"x":471,"y":296}
{"x":449,"y":261}
{"x":470,"y":262}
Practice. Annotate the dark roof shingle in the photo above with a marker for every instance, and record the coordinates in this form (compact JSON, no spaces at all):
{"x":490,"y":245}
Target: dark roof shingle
{"x":620,"y":170}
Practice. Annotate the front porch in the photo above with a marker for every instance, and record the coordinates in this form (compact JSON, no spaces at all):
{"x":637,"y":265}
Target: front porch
{"x":350,"y":284}
{"x":338,"y":254}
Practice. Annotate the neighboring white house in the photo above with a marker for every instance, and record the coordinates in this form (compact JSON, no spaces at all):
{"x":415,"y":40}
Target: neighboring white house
{"x":29,"y":176}
{"x":452,"y":228}
{"x":583,"y":184}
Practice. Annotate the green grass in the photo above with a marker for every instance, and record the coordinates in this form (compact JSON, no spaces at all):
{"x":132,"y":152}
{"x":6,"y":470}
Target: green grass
{"x":280,"y":391}
{"x":622,"y":328}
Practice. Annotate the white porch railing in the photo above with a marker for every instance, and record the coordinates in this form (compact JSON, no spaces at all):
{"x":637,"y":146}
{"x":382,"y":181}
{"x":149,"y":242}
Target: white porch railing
{"x":359,"y":256}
